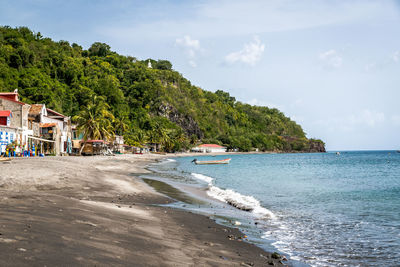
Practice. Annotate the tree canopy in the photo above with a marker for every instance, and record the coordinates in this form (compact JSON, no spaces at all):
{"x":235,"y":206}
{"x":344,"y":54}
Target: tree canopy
{"x":155,"y":103}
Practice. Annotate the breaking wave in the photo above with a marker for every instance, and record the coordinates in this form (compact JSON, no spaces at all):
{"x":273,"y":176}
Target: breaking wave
{"x":235,"y":199}
{"x":202,"y":177}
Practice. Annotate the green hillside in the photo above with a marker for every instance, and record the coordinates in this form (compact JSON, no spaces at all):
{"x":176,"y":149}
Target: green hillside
{"x":157,"y":104}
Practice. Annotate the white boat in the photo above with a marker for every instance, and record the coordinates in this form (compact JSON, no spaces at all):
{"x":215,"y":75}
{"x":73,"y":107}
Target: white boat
{"x":205,"y":162}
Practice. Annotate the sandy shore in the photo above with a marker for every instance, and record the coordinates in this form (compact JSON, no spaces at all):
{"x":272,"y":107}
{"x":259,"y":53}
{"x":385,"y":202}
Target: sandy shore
{"x":94,"y":211}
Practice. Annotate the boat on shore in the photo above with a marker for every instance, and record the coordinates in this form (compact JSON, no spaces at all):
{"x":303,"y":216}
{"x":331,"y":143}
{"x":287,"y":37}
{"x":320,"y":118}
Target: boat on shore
{"x":207,"y":162}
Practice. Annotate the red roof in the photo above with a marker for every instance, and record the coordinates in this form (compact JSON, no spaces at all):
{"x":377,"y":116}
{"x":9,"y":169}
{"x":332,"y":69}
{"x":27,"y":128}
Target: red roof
{"x":211,"y":145}
{"x":46,"y":125}
{"x":10,"y":95}
{"x":5,"y":113}
{"x":12,"y":100}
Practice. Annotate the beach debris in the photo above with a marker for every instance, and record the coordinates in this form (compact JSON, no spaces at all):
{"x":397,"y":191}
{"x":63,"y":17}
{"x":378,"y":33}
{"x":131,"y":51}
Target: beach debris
{"x":238,"y":205}
{"x":7,"y":240}
{"x":224,"y":258}
{"x":22,"y":249}
{"x":238,"y":223}
{"x":275,"y":255}
{"x":209,"y":244}
{"x":231,"y":237}
{"x":247,"y":264}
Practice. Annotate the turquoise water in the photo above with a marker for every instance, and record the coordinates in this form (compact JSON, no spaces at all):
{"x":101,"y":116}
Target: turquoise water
{"x":320,"y":209}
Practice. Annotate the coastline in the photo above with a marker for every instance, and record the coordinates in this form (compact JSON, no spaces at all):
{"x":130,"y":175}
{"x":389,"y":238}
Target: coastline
{"x":96,"y":211}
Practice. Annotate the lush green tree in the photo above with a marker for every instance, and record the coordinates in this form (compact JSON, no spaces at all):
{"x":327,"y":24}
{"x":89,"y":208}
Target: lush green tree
{"x":154,"y":105}
{"x":95,"y":121}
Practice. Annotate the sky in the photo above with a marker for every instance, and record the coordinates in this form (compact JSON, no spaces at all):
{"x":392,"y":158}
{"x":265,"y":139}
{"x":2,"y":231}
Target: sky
{"x":332,"y":66}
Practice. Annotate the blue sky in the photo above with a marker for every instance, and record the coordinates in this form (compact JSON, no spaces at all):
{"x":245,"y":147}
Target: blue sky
{"x":332,"y":66}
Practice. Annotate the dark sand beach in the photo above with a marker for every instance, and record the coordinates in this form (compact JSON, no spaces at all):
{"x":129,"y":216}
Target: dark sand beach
{"x":91,"y":211}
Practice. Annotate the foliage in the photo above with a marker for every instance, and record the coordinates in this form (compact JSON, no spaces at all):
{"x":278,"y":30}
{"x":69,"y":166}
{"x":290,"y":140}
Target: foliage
{"x":95,"y":120}
{"x":70,"y":79}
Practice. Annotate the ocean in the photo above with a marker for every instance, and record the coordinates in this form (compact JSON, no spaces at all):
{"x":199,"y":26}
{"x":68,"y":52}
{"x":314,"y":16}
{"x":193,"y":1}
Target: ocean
{"x":318,"y":209}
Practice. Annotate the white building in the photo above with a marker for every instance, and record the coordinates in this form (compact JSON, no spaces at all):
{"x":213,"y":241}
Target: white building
{"x":209,"y":148}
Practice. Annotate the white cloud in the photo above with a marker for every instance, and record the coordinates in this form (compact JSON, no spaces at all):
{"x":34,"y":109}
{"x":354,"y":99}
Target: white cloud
{"x":191,"y":47}
{"x":250,"y":54}
{"x":396,"y":56}
{"x":331,"y":59}
{"x":235,"y":18}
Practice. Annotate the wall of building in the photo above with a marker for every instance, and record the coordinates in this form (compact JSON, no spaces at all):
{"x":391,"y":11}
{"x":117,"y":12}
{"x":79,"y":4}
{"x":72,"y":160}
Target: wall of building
{"x":7,"y":136}
{"x":16,"y":109}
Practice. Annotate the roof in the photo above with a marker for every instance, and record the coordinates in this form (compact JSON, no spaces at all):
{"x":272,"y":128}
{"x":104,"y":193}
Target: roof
{"x":36,"y":109}
{"x":5,"y":113}
{"x":55,"y":112}
{"x":10,"y":95}
{"x":211,"y":145}
{"x":46,"y":125}
{"x":12,"y":100}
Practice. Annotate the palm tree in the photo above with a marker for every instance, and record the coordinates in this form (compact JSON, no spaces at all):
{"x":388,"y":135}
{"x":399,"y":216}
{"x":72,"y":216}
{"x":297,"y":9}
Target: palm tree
{"x":120,"y":125}
{"x":95,"y":121}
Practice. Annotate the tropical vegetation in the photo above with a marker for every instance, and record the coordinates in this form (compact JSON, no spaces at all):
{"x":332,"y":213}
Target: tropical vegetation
{"x":121,"y":95}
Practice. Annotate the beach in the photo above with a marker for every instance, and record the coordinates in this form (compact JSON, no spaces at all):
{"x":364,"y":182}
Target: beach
{"x":96,"y":211}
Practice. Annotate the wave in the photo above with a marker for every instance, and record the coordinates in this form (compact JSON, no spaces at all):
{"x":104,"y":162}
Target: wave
{"x":239,"y":201}
{"x":171,"y":160}
{"x":202,"y":177}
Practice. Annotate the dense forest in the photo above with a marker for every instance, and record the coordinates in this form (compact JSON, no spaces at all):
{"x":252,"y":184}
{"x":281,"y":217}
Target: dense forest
{"x":156,"y":105}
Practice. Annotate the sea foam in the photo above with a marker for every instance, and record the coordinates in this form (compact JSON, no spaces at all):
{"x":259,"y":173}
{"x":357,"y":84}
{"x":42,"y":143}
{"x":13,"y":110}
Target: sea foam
{"x":239,"y":201}
{"x":235,"y":199}
{"x":202,"y":177}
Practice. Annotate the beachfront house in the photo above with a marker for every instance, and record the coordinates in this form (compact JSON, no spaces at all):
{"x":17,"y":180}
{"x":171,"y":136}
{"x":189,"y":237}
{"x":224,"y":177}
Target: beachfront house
{"x":36,"y":128}
{"x":53,"y":130}
{"x":15,"y":128}
{"x":6,"y":132}
{"x":209,"y":148}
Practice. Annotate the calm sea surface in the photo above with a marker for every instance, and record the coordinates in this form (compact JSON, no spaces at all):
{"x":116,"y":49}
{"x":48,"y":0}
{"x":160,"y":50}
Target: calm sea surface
{"x":318,"y":209}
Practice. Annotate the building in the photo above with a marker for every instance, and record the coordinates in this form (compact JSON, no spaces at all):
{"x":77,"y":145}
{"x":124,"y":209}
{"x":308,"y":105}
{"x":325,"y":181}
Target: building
{"x":118,"y":144}
{"x":209,"y":148}
{"x":51,"y":129}
{"x":7,"y":133}
{"x":16,"y":125}
{"x":37,"y":129}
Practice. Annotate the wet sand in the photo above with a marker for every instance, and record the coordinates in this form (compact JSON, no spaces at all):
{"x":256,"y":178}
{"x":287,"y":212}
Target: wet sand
{"x":91,"y":211}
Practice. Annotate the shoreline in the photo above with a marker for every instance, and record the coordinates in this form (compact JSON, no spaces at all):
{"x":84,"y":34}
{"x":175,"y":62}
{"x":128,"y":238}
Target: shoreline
{"x":97,"y":211}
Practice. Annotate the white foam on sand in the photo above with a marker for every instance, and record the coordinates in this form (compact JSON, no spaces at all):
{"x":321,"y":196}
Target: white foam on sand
{"x":235,"y":199}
